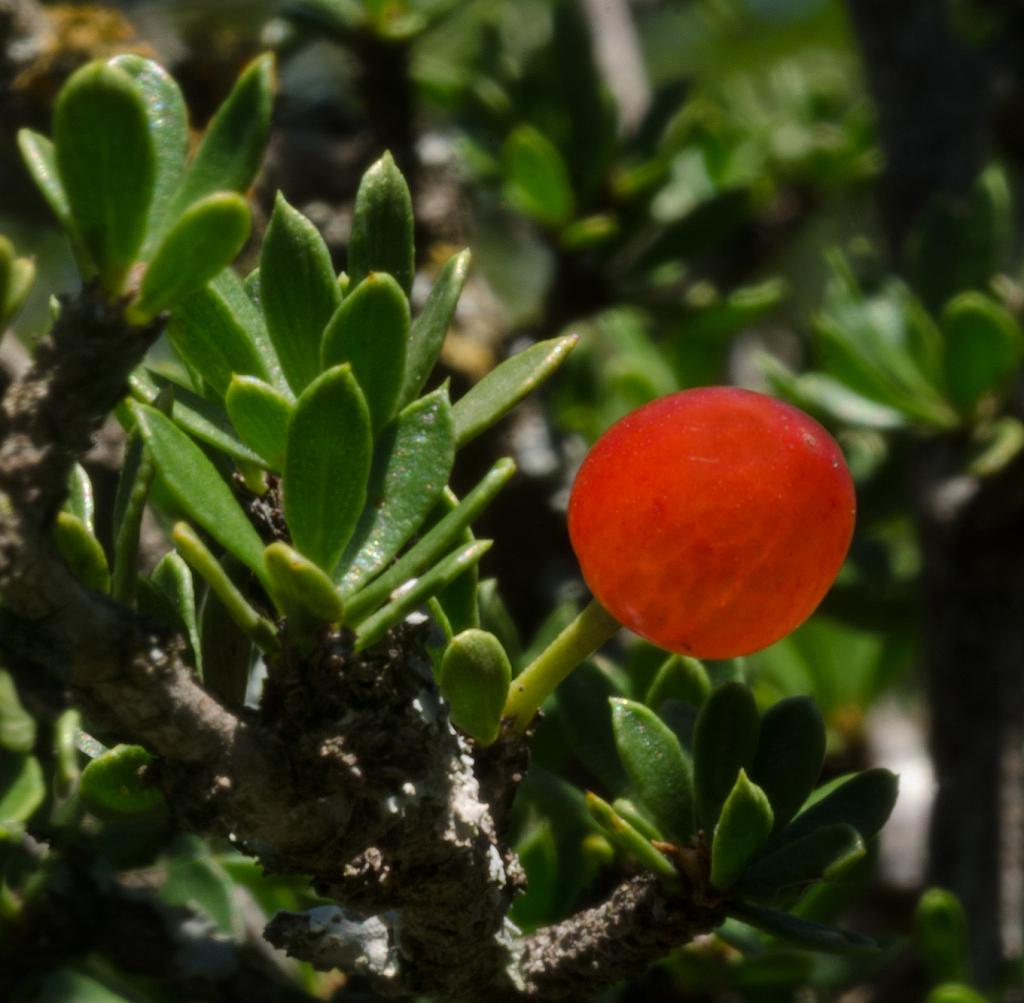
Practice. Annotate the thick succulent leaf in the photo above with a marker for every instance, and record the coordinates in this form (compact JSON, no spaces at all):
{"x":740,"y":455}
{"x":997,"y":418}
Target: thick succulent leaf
{"x":227,"y":649}
{"x":200,"y":244}
{"x":628,"y":838}
{"x":743,"y":826}
{"x":431,"y":325}
{"x":418,"y":590}
{"x":17,"y":726}
{"x":217,"y":332}
{"x":198,"y":488}
{"x":941,"y":935}
{"x":107,"y":162}
{"x":955,"y":992}
{"x":16,"y":278}
{"x":41,"y":160}
{"x":112,"y":784}
{"x":297,"y":584}
{"x":475,"y":677}
{"x":659,"y":769}
{"x":22,"y":788}
{"x":790,"y":753}
{"x":231,"y":150}
{"x":823,"y":853}
{"x":80,"y":500}
{"x":864,"y":801}
{"x":679,"y":678}
{"x":802,"y":932}
{"x":168,"y":124}
{"x":81,"y":552}
{"x":370,"y":331}
{"x":327,"y":465}
{"x":260,"y":414}
{"x":298,"y":292}
{"x":724,"y":742}
{"x":173,"y":580}
{"x":440,"y":539}
{"x":507,"y":384}
{"x":536,"y":177}
{"x":382,"y":227}
{"x":411,"y":463}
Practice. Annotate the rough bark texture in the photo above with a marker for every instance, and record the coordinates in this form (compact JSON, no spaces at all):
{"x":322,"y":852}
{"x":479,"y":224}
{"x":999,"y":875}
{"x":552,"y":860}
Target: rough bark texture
{"x":349,"y":772}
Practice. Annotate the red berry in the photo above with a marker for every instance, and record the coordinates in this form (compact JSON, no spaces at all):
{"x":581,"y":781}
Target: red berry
{"x":713,"y":521}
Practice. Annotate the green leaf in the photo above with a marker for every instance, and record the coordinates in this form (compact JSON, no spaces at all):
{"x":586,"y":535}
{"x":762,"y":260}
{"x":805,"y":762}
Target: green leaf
{"x":327,"y":465}
{"x":22,"y":788}
{"x":802,"y":932}
{"x":298,"y":292}
{"x":67,"y":986}
{"x":431,"y":326}
{"x":203,"y":241}
{"x":864,"y":801}
{"x":168,"y":125}
{"x":107,"y":162}
{"x":17,"y":726}
{"x":679,"y":678}
{"x":824,"y":853}
{"x":506,"y":385}
{"x":411,"y":464}
{"x":585,"y":714}
{"x":382,"y":227}
{"x":260,"y":415}
{"x":475,"y":677}
{"x":16,"y":278}
{"x":536,"y":177}
{"x":984,"y":348}
{"x":941,"y":934}
{"x":41,"y":160}
{"x":173,"y":579}
{"x":112,"y":784}
{"x":80,"y":499}
{"x":227,"y":649}
{"x":298,"y":584}
{"x":628,"y":838}
{"x":790,"y":753}
{"x":955,"y":992}
{"x":659,"y":769}
{"x":198,"y":488}
{"x":436,"y":542}
{"x":370,"y":331}
{"x":81,"y":552}
{"x":418,"y":590}
{"x":743,"y":826}
{"x":724,"y":742}
{"x":216,"y":332}
{"x":231,"y":151}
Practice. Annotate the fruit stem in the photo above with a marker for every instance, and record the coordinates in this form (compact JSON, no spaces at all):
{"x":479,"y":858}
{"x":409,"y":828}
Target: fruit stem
{"x":592,"y":627}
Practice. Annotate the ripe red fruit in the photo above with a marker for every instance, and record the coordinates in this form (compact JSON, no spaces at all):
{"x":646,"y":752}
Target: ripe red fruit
{"x":713,"y":521}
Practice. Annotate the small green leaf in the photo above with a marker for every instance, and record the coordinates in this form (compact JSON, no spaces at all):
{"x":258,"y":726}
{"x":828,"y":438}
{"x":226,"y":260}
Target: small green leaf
{"x":634,"y":816}
{"x":22,"y":788}
{"x":168,"y":124}
{"x":436,"y":542}
{"x":984,"y":347}
{"x":17,"y":726}
{"x":112,"y":784}
{"x":231,"y":151}
{"x":382,"y":227}
{"x":227,"y":649}
{"x":198,"y":488}
{"x":627,"y":838}
{"x":133,"y":486}
{"x":203,"y":241}
{"x":790,"y":753}
{"x":417,"y":591}
{"x":16,"y":278}
{"x":743,"y":826}
{"x":370,"y":331}
{"x":67,"y":986}
{"x":411,"y":464}
{"x":430,"y":327}
{"x":173,"y":579}
{"x":864,"y":801}
{"x":80,"y":499}
{"x":585,"y":715}
{"x":724,"y":742}
{"x":802,"y":932}
{"x":824,"y":853}
{"x":260,"y":415}
{"x":659,"y":769}
{"x":327,"y":465}
{"x":679,"y":678}
{"x":955,"y":992}
{"x":506,"y":385}
{"x":107,"y":162}
{"x":216,"y":332}
{"x":536,"y":177}
{"x":475,"y":676}
{"x":81,"y":552}
{"x":298,"y":583}
{"x":298,"y":292}
{"x":41,"y":160}
{"x":940,"y":930}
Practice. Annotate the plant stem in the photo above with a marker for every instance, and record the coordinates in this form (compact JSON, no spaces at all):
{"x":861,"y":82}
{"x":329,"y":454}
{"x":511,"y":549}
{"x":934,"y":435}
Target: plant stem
{"x":592,"y":627}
